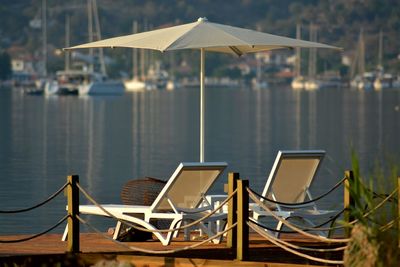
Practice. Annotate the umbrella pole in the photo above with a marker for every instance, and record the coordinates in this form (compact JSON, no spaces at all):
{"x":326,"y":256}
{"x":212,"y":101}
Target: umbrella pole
{"x":202,"y":104}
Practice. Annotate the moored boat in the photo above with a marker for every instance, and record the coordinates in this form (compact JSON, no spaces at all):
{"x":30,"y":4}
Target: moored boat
{"x":298,"y":83}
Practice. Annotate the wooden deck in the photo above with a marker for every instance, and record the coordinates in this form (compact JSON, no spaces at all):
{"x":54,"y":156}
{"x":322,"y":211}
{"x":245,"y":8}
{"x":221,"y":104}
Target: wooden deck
{"x":95,"y":248}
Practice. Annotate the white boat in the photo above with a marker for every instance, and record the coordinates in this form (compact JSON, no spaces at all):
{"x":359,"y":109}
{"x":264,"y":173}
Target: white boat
{"x":51,"y":87}
{"x":312,"y":85}
{"x":74,"y":82}
{"x":383,"y":82}
{"x":97,"y":84}
{"x":134,"y":85}
{"x":259,"y":84}
{"x":330,"y":82}
{"x":298,"y":80}
{"x":298,"y":83}
{"x":85,"y":81}
{"x":96,"y":81}
{"x":157,"y":77}
{"x":327,"y":81}
{"x":102,"y":88}
{"x":67,"y":82}
{"x":172,"y":84}
{"x":363,"y":80}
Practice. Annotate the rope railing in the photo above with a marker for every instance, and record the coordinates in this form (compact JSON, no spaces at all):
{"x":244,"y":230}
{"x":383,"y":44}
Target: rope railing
{"x":156,"y":251}
{"x":241,"y":193}
{"x":36,"y":235}
{"x":389,"y":225}
{"x":242,"y":222}
{"x":263,"y":234}
{"x":290,"y":248}
{"x":285,"y":222}
{"x":383,"y":195}
{"x":188,"y":225}
{"x":369,"y":212}
{"x":37,"y":205}
{"x":51,"y":197}
{"x":306,"y":229}
{"x":300,"y":203}
{"x":377,"y":195}
{"x":293,"y":227}
{"x":380,"y":204}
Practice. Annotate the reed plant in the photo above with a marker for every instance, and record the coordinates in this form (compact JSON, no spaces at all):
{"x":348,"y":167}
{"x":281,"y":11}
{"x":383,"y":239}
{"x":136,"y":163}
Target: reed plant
{"x":375,"y":235}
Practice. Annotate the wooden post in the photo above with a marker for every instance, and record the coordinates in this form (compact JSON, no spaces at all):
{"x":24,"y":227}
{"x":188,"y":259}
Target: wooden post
{"x":231,"y":238}
{"x":398,"y":211}
{"x":73,"y":210}
{"x":242,"y":249}
{"x":348,"y":201}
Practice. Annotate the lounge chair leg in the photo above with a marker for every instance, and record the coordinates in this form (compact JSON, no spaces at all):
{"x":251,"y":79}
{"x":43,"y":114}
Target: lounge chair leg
{"x":221,"y":227}
{"x":65,"y":234}
{"x":176,"y":223}
{"x":186,"y":233}
{"x":117,"y":230}
{"x":176,"y":233}
{"x":278,"y":228}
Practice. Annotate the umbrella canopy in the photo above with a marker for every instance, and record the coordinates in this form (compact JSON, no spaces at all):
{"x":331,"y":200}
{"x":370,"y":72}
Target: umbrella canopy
{"x":205,"y":36}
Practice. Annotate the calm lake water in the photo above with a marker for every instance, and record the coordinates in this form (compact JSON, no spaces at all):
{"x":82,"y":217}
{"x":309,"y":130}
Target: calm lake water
{"x":109,"y":140}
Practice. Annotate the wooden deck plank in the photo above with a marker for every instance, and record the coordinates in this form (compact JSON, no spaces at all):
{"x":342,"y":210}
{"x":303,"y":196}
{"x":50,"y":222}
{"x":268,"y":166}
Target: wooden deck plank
{"x":261,"y":252}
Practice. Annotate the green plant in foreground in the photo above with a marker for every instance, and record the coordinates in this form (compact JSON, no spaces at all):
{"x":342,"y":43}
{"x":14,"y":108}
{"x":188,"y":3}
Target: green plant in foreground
{"x":374,"y":238}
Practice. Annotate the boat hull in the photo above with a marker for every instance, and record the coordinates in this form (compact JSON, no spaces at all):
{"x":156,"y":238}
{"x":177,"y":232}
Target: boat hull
{"x":102,"y":88}
{"x":134,"y":85}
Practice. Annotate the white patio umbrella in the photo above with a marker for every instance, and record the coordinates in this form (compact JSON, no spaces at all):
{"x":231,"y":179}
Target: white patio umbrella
{"x":205,"y":36}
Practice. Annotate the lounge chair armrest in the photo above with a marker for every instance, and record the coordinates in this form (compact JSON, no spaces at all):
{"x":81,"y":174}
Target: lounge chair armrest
{"x":195,"y":210}
{"x":298,"y":206}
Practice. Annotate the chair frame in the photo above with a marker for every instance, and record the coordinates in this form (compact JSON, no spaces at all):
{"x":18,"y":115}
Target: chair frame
{"x":300,"y":211}
{"x":142,"y":215}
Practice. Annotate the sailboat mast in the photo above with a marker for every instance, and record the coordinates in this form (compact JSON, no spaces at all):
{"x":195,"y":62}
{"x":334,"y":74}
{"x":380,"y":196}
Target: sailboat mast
{"x":314,"y":63}
{"x":98,"y":37}
{"x":298,"y":52}
{"x":380,"y":51}
{"x":44,"y":37}
{"x":134,"y":53}
{"x":67,"y":42}
{"x":90,"y":34}
{"x":361,"y":62}
{"x":312,"y":57}
{"x":94,"y":32}
{"x":143,"y":58}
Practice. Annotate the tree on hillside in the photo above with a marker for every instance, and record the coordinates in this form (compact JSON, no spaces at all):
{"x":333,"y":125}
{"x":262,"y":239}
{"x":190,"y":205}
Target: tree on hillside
{"x":5,"y":66}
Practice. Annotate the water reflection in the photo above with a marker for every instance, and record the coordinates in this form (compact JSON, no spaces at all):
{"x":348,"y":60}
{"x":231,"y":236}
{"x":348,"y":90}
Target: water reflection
{"x":108,"y":140}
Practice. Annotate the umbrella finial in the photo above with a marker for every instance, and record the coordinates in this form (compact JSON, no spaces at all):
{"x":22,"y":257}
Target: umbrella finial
{"x":203,"y":19}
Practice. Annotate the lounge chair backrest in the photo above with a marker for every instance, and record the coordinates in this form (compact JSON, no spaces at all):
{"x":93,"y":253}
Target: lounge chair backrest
{"x":188,"y":184}
{"x":292,"y":174}
{"x":142,"y":191}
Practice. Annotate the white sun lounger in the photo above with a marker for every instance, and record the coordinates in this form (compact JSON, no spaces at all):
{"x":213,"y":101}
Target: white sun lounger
{"x":289,"y":181}
{"x":178,"y":202}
